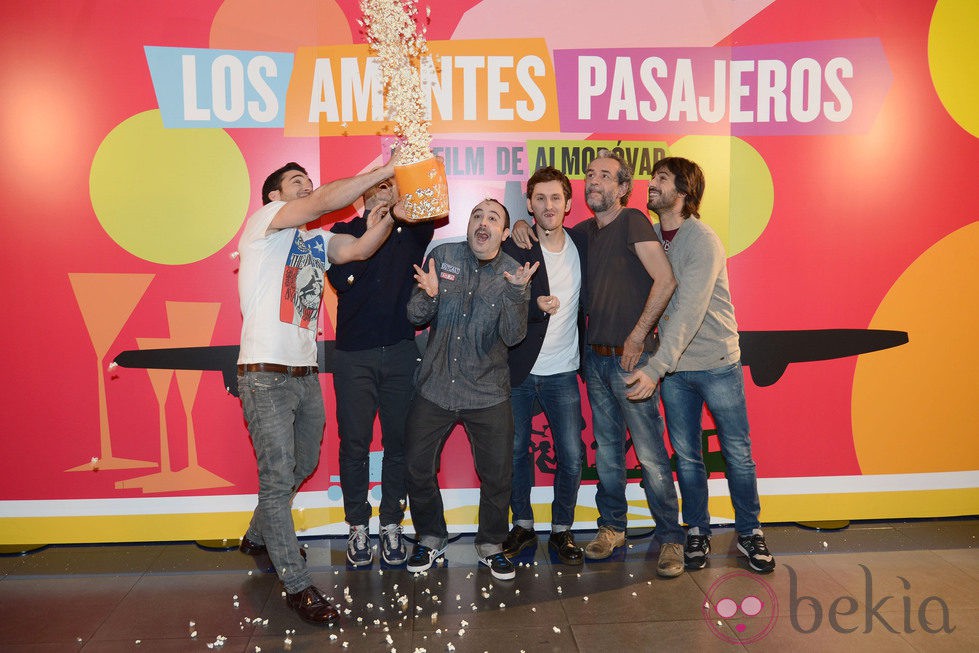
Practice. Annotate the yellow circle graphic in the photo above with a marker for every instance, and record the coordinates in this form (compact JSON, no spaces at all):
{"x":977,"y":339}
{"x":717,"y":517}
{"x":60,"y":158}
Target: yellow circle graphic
{"x":170,"y":196}
{"x":953,"y":57}
{"x":739,"y":196}
{"x":916,"y":407}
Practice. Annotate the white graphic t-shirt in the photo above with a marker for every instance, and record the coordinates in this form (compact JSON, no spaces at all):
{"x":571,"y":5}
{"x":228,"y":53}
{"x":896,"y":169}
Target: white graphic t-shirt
{"x":280,"y":283}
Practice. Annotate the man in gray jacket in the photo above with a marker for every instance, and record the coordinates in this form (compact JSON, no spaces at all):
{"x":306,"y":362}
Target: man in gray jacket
{"x":699,"y":360}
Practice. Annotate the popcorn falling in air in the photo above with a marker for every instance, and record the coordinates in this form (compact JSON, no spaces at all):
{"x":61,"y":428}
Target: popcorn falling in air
{"x":234,"y":255}
{"x":399,"y":45}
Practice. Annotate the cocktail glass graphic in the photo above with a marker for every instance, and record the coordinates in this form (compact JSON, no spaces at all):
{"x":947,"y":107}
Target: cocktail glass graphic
{"x":106,"y":302}
{"x":191,"y":324}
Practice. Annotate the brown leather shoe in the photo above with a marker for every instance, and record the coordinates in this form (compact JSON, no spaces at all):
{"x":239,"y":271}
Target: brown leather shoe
{"x":312,"y":606}
{"x":253,"y":549}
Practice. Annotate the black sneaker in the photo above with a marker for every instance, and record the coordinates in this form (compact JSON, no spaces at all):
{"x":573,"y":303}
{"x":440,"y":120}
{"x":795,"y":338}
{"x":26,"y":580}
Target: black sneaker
{"x":695,"y":552}
{"x":517,"y":540}
{"x":422,"y":558}
{"x":500,"y":566}
{"x":759,"y":557}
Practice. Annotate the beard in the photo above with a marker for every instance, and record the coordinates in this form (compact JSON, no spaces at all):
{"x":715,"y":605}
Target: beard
{"x":662,"y":201}
{"x":604,"y":203}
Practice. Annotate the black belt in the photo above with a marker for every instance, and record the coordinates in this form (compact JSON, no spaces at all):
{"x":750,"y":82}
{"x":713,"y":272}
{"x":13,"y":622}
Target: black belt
{"x":606,"y":350}
{"x":278,"y":369}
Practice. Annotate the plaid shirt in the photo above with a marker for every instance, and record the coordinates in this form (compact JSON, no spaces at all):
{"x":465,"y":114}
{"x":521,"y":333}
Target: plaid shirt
{"x":475,"y":317}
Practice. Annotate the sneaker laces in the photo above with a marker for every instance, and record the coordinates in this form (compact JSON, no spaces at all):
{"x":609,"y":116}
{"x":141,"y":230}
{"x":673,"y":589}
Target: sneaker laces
{"x":392,"y":536}
{"x":695,"y":542}
{"x":358,"y":538}
{"x":759,"y":546}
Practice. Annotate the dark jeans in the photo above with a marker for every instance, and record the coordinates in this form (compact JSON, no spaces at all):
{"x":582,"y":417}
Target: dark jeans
{"x":558,"y":395}
{"x":490,"y":432}
{"x":369,"y":383}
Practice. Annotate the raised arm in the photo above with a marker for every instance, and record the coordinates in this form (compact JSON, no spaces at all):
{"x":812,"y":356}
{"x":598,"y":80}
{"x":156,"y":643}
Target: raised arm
{"x":344,"y":248}
{"x":329,"y":197}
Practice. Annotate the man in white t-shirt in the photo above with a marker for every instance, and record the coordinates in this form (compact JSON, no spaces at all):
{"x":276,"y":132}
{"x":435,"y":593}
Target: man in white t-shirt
{"x":280,"y":283}
{"x":544,"y":366}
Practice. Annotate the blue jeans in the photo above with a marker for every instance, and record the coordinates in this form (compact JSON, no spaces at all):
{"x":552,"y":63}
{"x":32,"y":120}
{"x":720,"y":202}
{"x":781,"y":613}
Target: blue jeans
{"x":373,"y":383}
{"x":558,"y":395}
{"x":684,"y":396}
{"x":612,"y":413}
{"x":285,"y":418}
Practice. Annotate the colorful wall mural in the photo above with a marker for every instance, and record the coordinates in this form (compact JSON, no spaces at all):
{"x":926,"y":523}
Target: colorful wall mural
{"x":839,"y":141}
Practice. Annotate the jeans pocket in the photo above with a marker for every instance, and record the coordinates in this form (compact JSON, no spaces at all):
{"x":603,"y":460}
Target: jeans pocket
{"x":268,"y":380}
{"x":724,"y":369}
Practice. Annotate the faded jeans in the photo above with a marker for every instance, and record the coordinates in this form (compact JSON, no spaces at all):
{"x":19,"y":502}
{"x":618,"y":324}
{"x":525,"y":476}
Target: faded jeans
{"x":612,"y":413}
{"x":285,"y":418}
{"x":684,"y":396}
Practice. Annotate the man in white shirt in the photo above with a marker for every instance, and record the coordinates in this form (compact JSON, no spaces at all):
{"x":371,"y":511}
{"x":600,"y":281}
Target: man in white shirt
{"x":544,"y":366}
{"x":280,"y":283}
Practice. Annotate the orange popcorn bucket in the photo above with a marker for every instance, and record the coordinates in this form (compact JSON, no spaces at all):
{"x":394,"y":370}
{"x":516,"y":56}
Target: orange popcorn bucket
{"x":424,"y":188}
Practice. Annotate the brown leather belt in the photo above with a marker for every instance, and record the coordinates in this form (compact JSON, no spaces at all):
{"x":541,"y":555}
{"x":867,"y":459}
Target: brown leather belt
{"x":606,"y":350}
{"x":278,"y":369}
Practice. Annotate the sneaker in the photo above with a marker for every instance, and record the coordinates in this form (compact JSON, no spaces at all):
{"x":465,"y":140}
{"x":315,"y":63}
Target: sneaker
{"x":567,"y":551}
{"x":759,"y":557}
{"x":517,"y":540}
{"x":500,"y":566}
{"x":606,"y":541}
{"x":422,"y":558}
{"x":670,"y":563}
{"x":358,"y":547}
{"x":695,"y":553}
{"x":393,"y":549}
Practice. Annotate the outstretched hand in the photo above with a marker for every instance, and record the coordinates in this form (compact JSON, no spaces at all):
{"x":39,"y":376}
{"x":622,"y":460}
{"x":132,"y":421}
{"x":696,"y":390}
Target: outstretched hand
{"x":427,"y":280}
{"x":523,"y":274}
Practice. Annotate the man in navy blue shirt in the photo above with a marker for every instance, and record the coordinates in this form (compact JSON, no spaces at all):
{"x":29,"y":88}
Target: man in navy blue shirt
{"x":373,"y":371}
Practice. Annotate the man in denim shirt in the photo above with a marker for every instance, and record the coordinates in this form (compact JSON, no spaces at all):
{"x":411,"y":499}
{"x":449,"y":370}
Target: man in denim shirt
{"x":475,"y":298}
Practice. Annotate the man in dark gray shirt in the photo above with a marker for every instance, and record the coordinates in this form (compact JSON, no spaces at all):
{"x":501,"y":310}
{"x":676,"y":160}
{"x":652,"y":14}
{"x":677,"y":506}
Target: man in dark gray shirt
{"x":475,"y":298}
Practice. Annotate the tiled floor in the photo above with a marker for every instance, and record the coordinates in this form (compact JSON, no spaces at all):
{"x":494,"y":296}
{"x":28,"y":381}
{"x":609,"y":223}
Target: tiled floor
{"x":881,"y":586}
